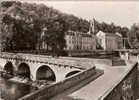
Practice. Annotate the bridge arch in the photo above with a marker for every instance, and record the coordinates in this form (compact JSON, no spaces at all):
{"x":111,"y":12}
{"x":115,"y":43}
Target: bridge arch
{"x":24,"y":70}
{"x":9,"y":68}
{"x":71,"y":73}
{"x":44,"y":72}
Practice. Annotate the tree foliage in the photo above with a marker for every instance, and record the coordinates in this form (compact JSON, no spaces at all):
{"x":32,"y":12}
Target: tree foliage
{"x":23,"y":23}
{"x":134,"y":35}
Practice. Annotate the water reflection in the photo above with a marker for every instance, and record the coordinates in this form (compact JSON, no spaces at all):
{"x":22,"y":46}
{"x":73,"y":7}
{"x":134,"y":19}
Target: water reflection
{"x":12,"y":91}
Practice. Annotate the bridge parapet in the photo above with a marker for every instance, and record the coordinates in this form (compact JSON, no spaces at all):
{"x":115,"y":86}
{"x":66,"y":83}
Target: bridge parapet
{"x":40,"y":59}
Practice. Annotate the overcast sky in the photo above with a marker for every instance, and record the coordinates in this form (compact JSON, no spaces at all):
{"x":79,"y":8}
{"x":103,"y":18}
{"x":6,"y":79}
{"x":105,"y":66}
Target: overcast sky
{"x":123,"y":13}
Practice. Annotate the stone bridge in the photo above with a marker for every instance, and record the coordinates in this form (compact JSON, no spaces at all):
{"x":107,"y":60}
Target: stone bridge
{"x":37,"y":67}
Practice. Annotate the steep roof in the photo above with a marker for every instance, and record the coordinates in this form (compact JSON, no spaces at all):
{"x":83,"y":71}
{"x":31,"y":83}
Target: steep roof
{"x":73,"y":33}
{"x":100,"y":33}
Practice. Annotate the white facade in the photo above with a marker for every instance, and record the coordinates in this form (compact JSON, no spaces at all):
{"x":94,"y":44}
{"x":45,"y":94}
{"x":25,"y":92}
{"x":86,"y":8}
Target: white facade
{"x":109,"y":41}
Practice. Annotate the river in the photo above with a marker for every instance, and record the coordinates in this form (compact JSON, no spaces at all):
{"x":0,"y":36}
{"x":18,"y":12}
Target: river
{"x":12,"y":91}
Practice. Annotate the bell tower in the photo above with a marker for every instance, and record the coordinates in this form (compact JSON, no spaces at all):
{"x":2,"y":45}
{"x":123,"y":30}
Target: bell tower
{"x":92,"y":27}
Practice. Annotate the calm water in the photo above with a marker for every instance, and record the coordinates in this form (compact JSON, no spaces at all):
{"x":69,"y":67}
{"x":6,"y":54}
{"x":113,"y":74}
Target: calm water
{"x":12,"y":91}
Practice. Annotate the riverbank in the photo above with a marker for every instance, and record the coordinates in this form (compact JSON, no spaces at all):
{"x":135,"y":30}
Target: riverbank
{"x":38,"y":84}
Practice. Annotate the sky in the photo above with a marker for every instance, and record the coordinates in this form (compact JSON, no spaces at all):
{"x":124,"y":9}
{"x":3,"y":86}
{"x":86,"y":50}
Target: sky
{"x":123,"y":13}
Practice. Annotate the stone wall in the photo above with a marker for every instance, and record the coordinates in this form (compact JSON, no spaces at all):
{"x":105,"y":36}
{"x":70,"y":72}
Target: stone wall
{"x":58,"y":87}
{"x":126,"y":89}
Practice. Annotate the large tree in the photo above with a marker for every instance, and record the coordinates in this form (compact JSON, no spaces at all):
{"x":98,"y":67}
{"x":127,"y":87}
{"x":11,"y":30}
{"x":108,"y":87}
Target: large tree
{"x":55,"y":34}
{"x":134,"y":35}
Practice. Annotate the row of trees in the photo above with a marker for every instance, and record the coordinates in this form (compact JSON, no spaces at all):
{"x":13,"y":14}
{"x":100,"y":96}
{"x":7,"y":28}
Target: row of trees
{"x":22,"y":25}
{"x":110,"y":28}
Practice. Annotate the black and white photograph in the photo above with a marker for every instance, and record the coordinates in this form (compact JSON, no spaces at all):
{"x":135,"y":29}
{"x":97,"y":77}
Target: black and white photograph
{"x":69,"y":50}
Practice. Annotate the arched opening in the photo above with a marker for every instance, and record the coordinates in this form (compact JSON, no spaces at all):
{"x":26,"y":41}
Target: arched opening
{"x":72,"y":73}
{"x":45,"y":73}
{"x":23,"y":70}
{"x":9,"y":68}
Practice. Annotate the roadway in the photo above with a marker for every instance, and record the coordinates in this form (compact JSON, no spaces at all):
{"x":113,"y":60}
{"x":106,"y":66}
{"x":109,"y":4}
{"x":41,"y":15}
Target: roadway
{"x":92,"y":90}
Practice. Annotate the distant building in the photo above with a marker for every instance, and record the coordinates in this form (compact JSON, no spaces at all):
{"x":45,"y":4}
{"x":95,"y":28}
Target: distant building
{"x":78,"y":41}
{"x":88,"y":42}
{"x":110,"y":41}
{"x":75,"y":41}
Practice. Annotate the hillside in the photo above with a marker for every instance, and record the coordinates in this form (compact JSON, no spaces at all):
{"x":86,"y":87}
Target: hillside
{"x":21,"y":25}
